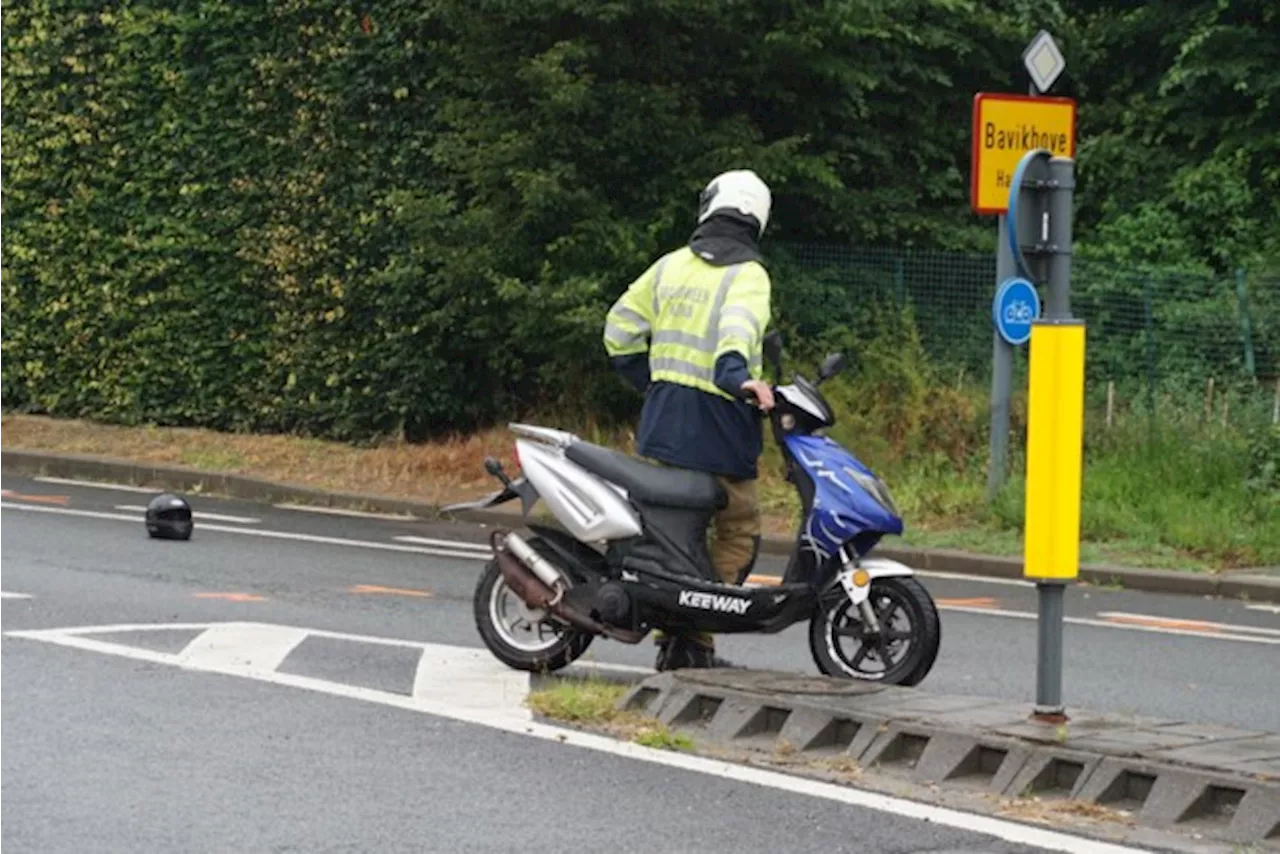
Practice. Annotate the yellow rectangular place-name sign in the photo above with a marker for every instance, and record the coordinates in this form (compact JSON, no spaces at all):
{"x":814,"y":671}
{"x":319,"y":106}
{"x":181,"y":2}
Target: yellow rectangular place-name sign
{"x":1005,"y":127}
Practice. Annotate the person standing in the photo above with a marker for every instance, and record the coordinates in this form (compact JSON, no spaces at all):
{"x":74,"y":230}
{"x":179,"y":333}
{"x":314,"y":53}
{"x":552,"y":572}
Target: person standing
{"x":689,"y":334}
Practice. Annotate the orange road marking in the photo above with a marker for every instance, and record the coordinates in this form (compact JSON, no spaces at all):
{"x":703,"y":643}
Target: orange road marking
{"x":766,"y":580}
{"x":233,"y":597}
{"x":394,"y":591}
{"x":60,"y":500}
{"x":1165,"y":623}
{"x":975,"y":602}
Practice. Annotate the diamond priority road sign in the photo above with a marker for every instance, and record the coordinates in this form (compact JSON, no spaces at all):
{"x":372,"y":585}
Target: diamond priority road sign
{"x":1005,"y":127}
{"x":1043,"y":61}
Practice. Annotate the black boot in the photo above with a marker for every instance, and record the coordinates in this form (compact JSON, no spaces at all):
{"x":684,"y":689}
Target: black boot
{"x":678,"y":653}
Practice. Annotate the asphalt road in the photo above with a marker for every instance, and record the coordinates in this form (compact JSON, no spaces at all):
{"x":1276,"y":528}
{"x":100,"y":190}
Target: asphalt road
{"x":137,"y":752}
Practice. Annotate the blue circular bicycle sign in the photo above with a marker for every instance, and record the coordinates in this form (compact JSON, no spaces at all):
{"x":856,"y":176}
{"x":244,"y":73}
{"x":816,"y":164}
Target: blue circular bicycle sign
{"x":1016,"y":305}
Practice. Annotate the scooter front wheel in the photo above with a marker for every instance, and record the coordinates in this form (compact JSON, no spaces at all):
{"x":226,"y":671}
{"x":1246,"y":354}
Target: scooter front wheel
{"x":902,"y":652}
{"x":521,"y":637}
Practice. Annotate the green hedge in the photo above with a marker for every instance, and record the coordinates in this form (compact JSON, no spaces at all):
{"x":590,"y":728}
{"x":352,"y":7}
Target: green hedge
{"x":300,"y":216}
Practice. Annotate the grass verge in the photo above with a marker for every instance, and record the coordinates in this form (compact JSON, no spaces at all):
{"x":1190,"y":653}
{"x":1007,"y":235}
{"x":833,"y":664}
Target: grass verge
{"x":593,"y":704}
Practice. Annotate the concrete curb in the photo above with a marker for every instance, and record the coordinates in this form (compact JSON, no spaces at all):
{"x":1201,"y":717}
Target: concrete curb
{"x":1167,"y":776}
{"x":1255,"y":586}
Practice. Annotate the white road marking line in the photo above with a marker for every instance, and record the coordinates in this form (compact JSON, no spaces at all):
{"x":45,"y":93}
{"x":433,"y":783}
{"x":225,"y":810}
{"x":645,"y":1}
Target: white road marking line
{"x":451,"y":544}
{"x":252,"y":646}
{"x":66,"y":511}
{"x":5,"y":594}
{"x":199,"y":514}
{"x":1274,"y":609}
{"x":506,"y":720}
{"x":219,"y":517}
{"x":340,"y":541}
{"x":339,"y":511}
{"x":959,"y":576}
{"x":581,"y":664}
{"x":996,"y":612}
{"x":470,"y":678}
{"x":258,"y":532}
{"x":124,"y":628}
{"x":1130,"y":627}
{"x":1209,"y":624}
{"x":120,"y":487}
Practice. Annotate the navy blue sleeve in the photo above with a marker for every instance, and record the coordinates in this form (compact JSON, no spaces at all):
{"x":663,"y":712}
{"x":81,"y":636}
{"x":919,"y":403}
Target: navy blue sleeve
{"x":634,"y":369}
{"x":731,"y":373}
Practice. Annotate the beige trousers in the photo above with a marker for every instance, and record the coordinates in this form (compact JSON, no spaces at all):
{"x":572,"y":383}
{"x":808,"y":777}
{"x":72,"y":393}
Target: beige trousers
{"x":733,"y":541}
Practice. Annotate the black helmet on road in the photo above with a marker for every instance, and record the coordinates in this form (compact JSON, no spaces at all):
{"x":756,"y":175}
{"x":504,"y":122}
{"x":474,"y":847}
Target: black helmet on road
{"x":169,"y":518}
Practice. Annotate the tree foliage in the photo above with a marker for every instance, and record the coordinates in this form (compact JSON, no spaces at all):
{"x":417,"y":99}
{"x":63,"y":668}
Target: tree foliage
{"x":1180,"y":130}
{"x":409,"y":217}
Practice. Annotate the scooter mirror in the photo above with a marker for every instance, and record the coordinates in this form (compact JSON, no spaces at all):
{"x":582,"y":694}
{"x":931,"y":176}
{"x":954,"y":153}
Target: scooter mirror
{"x":832,"y":365}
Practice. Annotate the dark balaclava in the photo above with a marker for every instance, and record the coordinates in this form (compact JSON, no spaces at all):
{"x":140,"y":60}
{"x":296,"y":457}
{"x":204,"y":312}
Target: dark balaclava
{"x":727,"y":238}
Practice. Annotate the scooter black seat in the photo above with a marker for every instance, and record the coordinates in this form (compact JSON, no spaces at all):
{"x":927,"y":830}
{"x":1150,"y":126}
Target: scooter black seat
{"x":648,"y":483}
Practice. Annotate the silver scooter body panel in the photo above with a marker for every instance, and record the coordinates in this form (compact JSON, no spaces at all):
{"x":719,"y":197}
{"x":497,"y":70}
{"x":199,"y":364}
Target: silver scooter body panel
{"x":591,"y":509}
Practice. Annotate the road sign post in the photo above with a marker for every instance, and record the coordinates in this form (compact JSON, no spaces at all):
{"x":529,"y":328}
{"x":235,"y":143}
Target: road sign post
{"x":1015,"y":306}
{"x":1001,"y":375}
{"x":1024,"y":172}
{"x":1040,"y":242}
{"x":1005,"y":127}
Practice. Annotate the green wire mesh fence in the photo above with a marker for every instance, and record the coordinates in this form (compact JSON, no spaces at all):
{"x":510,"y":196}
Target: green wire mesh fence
{"x":1155,"y":337}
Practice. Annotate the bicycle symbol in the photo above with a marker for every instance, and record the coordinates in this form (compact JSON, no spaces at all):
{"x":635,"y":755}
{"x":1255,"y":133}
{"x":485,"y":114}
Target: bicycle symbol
{"x":1020,"y":311}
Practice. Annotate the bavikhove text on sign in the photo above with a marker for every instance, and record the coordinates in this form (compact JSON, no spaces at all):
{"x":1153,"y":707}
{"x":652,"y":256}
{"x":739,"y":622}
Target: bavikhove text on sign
{"x":1023,"y":137}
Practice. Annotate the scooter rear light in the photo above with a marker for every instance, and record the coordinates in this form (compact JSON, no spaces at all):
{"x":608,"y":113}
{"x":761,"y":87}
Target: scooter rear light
{"x":515,"y":451}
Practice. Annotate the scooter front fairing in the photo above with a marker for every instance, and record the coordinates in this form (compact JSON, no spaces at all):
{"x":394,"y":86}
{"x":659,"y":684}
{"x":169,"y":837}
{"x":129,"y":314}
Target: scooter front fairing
{"x":851,"y":506}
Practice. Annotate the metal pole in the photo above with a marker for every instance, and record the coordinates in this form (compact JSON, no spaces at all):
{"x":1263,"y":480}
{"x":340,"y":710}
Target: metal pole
{"x":1050,"y":594}
{"x":1001,"y":374}
{"x":1062,"y":184}
{"x":1149,"y":324}
{"x":1001,"y":364}
{"x":1246,"y":322}
{"x":1049,"y":649}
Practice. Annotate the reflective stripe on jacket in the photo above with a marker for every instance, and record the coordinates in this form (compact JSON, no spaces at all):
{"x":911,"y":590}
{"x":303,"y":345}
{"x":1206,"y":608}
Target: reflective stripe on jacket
{"x":687,"y":313}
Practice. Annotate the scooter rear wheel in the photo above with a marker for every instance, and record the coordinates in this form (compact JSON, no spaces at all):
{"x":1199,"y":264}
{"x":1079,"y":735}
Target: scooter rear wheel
{"x":902,"y":653}
{"x":519,"y":636}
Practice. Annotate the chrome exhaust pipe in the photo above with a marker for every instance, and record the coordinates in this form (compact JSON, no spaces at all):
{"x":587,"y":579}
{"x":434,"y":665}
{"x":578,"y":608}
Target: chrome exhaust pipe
{"x":537,"y":564}
{"x":537,"y":583}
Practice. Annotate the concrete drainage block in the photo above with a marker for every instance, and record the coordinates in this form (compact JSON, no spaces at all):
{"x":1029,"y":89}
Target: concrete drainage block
{"x":962,"y":747}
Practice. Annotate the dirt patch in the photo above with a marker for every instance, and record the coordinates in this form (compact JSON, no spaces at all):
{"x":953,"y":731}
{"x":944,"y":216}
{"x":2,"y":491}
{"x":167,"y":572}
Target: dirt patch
{"x":439,"y":472}
{"x":1053,"y":812}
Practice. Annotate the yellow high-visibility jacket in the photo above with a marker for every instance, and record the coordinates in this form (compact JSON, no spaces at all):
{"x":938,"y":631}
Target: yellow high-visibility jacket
{"x":688,"y":315}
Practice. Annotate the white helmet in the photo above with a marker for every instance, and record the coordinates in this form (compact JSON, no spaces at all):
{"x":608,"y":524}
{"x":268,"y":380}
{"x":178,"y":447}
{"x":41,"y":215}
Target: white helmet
{"x":741,"y":191}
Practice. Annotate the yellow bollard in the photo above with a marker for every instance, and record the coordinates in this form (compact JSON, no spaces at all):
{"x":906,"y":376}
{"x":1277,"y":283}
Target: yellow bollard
{"x":1055,"y":438}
